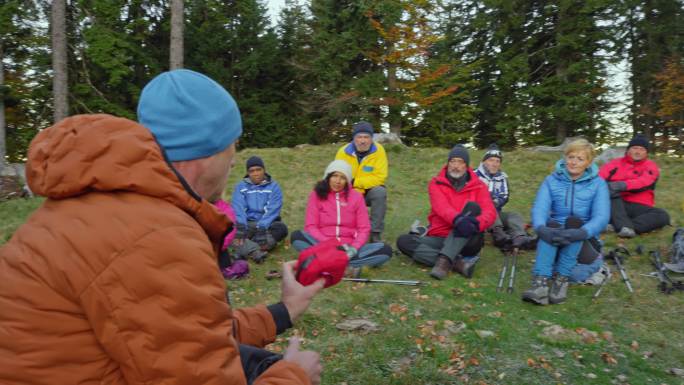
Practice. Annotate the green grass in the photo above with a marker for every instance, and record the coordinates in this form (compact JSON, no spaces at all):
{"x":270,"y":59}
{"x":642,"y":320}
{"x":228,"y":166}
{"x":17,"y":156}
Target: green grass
{"x":414,"y":345}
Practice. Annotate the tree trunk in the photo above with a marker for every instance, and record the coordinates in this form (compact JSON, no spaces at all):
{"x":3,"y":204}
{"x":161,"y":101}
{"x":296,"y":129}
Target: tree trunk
{"x":3,"y":147}
{"x":394,"y":114}
{"x":59,"y":61}
{"x":176,"y":47}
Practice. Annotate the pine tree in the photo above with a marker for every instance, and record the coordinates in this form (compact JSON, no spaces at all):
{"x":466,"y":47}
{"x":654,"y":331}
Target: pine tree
{"x":342,"y":80}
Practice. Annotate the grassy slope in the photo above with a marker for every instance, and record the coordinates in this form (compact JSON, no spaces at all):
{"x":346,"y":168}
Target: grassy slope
{"x":414,"y":346}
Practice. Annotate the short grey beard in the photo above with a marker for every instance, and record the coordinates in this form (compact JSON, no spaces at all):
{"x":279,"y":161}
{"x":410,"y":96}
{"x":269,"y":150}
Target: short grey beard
{"x":456,"y":176}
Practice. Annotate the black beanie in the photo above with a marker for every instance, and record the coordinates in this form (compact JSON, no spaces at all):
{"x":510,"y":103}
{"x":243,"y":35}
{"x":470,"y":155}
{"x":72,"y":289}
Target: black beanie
{"x":638,"y":140}
{"x":362,"y":127}
{"x":493,"y":152}
{"x":458,"y":151}
{"x":255,"y":161}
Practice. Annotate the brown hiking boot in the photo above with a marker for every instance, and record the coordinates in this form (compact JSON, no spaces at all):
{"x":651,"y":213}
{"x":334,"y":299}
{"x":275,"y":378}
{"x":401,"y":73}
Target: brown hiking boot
{"x":465,"y":268}
{"x":441,"y":268}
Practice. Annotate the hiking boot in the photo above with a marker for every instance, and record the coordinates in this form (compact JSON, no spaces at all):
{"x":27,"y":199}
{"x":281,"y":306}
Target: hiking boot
{"x":559,"y":290}
{"x":626,"y":232}
{"x":376,"y":238}
{"x":539,"y":292}
{"x":499,"y":237}
{"x":258,"y":256}
{"x":441,"y":268}
{"x":465,"y":266}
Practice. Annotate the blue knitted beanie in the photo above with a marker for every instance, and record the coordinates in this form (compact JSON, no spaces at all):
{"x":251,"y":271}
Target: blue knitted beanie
{"x":190,"y":115}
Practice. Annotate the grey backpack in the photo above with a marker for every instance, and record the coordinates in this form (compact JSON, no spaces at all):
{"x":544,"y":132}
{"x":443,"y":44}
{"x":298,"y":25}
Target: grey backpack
{"x":677,"y":256}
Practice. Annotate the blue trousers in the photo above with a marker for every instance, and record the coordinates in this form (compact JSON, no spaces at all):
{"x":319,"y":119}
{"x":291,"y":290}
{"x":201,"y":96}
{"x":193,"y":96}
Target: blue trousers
{"x":553,"y":259}
{"x":581,"y":272}
{"x":370,"y":254}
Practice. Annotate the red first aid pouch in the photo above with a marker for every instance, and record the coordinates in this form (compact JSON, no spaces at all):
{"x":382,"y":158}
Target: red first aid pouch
{"x":324,"y":260}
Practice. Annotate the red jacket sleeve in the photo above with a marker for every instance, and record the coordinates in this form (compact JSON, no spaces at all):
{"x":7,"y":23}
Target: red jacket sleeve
{"x":606,"y":170}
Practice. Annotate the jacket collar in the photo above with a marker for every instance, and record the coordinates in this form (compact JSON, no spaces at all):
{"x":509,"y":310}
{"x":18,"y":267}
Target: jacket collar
{"x":350,"y":149}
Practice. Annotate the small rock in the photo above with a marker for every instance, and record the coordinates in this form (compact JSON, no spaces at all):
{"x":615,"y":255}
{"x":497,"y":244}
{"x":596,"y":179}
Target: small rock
{"x":360,"y":324}
{"x":621,"y":378}
{"x":677,"y":372}
{"x":456,"y":328}
{"x":559,"y":353}
{"x":591,"y":375}
{"x":541,"y":322}
{"x":484,"y":333}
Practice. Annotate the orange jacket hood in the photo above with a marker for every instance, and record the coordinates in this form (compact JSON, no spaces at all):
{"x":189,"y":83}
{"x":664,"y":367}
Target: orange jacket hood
{"x":87,"y":153}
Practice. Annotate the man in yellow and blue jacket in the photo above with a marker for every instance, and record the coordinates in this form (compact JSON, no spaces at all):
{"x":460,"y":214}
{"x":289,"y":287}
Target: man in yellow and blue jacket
{"x":368,"y":161}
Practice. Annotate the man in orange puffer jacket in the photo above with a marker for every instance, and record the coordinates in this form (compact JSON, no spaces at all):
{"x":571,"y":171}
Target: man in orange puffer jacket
{"x":114,"y":279}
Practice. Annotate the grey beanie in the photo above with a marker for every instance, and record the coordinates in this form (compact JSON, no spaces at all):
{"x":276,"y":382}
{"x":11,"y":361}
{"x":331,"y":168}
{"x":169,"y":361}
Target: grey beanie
{"x":458,"y":151}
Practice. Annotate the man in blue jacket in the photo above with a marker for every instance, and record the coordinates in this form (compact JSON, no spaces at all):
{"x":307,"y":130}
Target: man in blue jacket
{"x":257,"y":201}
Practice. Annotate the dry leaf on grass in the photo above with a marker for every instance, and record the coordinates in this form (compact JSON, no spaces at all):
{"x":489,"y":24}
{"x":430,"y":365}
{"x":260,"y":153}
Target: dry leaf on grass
{"x":396,"y":308}
{"x":608,"y":358}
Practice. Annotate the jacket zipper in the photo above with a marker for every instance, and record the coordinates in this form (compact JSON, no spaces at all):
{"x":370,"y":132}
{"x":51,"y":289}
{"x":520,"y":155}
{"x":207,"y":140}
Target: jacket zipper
{"x":572,"y":199}
{"x":337,"y":226}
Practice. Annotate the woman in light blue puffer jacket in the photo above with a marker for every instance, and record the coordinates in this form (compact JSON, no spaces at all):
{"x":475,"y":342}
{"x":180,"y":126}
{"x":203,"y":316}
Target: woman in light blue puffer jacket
{"x":572,"y":206}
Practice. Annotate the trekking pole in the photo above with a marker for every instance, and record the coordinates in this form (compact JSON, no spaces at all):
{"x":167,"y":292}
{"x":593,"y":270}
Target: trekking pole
{"x":617,"y":258}
{"x":600,"y":288}
{"x":502,"y":275}
{"x":390,"y":281}
{"x":512,"y":278}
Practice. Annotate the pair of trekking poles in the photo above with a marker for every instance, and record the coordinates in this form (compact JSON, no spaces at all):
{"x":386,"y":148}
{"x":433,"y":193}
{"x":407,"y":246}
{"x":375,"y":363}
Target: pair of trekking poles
{"x":617,"y":255}
{"x":509,"y":263}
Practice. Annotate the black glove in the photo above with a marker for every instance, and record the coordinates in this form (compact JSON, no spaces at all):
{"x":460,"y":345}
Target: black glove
{"x":270,"y":241}
{"x":241,"y":232}
{"x":574,"y":235}
{"x":465,"y":226}
{"x":551,"y":236}
{"x":616,"y":188}
{"x":260,"y":237}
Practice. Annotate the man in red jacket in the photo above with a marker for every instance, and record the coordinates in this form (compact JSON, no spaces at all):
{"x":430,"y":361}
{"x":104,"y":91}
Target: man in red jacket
{"x":461,"y":210}
{"x":632,"y":181}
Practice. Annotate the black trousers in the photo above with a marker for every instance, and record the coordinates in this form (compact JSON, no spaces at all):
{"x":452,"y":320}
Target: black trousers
{"x":255,"y":361}
{"x":426,"y":250}
{"x":640,"y":218}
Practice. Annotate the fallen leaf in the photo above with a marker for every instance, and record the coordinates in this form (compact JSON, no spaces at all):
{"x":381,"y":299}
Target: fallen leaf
{"x":495,"y":314}
{"x":531,"y":363}
{"x":606,"y":335}
{"x":621,"y":378}
{"x":609,"y":359}
{"x":473,"y":284}
{"x":396,"y":308}
{"x":541,"y":322}
{"x":634,"y":346}
{"x":648,"y":355}
{"x":473,"y":362}
{"x":591,"y":375}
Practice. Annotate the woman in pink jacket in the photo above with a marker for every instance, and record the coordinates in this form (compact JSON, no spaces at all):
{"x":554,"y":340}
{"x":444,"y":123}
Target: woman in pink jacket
{"x":337,"y":211}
